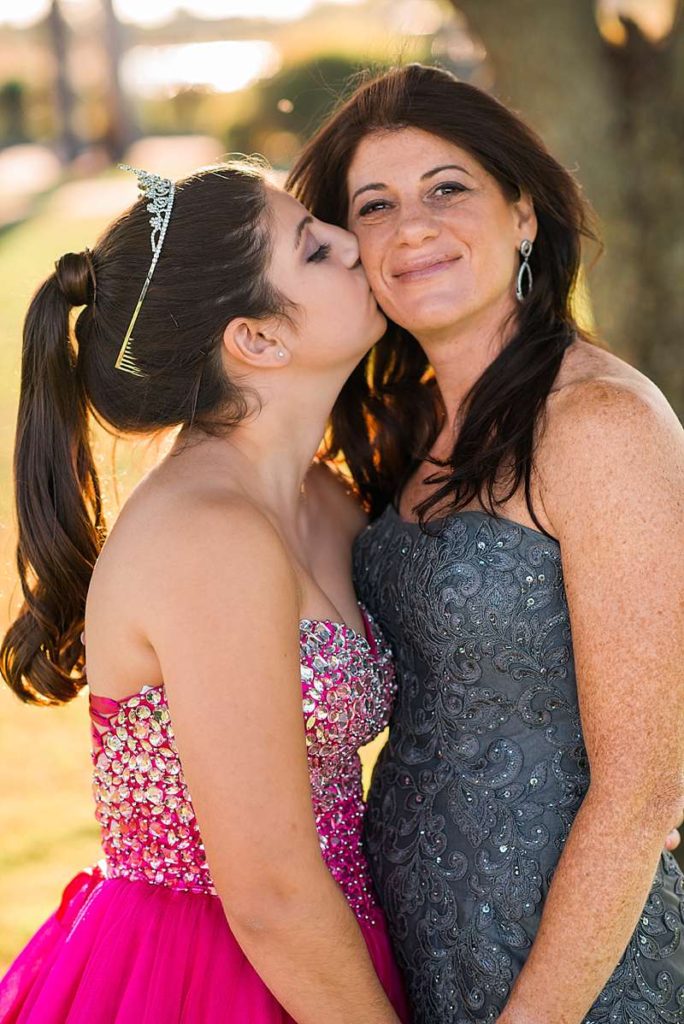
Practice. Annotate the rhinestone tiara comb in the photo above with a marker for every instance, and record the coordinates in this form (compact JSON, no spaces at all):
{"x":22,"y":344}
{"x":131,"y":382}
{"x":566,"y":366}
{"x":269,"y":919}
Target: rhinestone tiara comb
{"x":160,"y":192}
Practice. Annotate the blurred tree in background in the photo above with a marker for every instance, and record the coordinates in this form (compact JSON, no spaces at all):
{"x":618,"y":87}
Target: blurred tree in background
{"x":64,"y":93}
{"x":121,"y":126}
{"x":13,"y":126}
{"x":608,"y":98}
{"x":291,"y":105}
{"x":601,"y":80}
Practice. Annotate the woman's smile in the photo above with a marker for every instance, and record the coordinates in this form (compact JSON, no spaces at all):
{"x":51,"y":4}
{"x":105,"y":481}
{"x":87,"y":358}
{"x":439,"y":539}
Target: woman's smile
{"x":440,"y":239}
{"x":419,"y":269}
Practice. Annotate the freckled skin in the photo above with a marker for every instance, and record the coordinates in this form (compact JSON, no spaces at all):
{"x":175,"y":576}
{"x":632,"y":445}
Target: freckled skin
{"x":610,"y":474}
{"x":608,"y":484}
{"x":459,"y":213}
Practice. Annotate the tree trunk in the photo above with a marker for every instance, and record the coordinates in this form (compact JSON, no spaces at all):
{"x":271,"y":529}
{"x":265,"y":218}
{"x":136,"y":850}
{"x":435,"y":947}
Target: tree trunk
{"x":121,"y":130}
{"x":649,"y":87}
{"x":68,"y":142}
{"x":615,"y":115}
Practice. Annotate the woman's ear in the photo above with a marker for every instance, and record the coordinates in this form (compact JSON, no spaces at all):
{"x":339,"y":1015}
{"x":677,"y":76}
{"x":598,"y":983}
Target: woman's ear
{"x":253,"y":343}
{"x":525,"y":217}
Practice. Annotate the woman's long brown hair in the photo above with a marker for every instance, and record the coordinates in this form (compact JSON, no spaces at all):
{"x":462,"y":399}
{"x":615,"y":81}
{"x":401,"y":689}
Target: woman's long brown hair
{"x":389,"y":413}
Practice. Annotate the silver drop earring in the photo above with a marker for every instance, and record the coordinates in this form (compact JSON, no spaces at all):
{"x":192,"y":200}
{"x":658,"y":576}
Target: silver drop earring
{"x":525,"y":271}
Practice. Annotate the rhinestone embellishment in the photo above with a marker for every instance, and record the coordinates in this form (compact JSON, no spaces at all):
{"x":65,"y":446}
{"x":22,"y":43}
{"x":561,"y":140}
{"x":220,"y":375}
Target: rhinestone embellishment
{"x":149,"y":828}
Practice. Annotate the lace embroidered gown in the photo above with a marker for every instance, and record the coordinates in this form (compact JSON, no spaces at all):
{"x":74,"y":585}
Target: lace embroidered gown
{"x":144,"y":939}
{"x":474,"y":795}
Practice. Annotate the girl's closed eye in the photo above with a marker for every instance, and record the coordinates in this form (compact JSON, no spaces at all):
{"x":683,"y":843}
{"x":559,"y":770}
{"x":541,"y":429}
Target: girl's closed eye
{"x":320,"y":254}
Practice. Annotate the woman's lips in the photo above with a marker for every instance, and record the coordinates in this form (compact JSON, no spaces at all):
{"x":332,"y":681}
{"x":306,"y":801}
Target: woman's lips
{"x":419,"y":272}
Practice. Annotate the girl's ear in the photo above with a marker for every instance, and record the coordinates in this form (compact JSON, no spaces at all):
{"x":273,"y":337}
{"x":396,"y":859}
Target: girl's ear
{"x":254,"y":343}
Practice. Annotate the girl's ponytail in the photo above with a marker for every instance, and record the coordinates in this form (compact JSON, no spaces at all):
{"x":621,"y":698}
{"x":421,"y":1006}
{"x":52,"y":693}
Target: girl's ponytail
{"x":214,"y":267}
{"x":59,"y":508}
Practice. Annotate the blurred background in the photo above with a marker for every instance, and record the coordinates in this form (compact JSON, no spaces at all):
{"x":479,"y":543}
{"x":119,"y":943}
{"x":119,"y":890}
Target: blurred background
{"x":170,"y":85}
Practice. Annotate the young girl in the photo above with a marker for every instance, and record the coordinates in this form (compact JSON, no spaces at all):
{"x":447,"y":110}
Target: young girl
{"x":234,"y":887}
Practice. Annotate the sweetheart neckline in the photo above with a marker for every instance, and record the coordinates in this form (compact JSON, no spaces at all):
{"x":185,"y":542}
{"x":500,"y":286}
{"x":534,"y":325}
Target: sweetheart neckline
{"x":471,"y":512}
{"x":370,"y":642}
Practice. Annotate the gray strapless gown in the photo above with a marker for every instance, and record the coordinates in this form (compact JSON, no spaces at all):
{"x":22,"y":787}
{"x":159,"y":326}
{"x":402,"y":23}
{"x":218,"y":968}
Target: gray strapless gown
{"x":474,"y":795}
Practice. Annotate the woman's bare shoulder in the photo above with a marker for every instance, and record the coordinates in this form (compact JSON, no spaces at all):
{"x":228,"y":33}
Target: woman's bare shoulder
{"x":589,"y":371}
{"x":609,"y":433}
{"x":598,"y":391}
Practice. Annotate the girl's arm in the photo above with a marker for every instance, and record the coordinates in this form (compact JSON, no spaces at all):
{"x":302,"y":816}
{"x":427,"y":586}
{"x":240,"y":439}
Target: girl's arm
{"x":225,"y":627}
{"x":613,"y":491}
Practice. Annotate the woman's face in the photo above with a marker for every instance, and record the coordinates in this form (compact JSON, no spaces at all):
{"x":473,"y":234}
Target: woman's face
{"x":317,"y":267}
{"x":438,"y":238}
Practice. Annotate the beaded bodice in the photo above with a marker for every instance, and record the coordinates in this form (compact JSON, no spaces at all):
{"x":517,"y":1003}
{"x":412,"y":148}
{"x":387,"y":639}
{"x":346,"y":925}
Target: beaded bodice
{"x":149,"y":829}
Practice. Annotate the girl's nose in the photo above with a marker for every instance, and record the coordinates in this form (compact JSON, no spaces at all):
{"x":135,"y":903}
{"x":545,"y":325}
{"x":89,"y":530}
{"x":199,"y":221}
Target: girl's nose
{"x":347,"y":246}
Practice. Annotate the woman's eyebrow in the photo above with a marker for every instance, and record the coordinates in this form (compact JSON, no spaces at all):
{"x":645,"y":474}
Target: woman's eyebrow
{"x":378,"y":186}
{"x":444,"y":167}
{"x":375,"y":186}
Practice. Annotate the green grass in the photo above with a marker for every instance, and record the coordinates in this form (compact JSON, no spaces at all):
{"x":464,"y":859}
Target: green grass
{"x":47,"y":830}
{"x":46,"y":822}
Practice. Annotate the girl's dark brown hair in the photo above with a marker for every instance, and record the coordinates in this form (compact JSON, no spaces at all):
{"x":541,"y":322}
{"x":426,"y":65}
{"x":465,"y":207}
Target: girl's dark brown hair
{"x":212,"y":268}
{"x":388,"y":414}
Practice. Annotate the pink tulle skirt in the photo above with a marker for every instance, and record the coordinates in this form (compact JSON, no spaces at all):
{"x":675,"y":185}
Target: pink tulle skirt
{"x":120,"y":952}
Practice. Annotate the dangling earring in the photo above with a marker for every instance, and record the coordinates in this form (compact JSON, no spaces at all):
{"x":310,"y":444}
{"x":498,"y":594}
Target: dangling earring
{"x":525,"y":271}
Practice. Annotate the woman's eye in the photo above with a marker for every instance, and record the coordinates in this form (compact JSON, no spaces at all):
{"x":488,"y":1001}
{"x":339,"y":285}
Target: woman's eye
{"x":447,"y":188}
{"x":373,"y":207}
{"x":321,"y":253}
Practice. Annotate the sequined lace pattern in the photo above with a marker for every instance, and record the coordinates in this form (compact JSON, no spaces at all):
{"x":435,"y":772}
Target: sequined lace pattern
{"x":149,"y":829}
{"x":473,"y":797}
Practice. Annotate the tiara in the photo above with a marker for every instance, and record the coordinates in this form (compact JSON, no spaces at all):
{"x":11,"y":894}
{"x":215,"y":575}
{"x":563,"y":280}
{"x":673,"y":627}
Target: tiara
{"x":160,"y":192}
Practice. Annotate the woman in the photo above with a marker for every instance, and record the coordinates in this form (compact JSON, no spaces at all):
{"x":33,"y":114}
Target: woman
{"x":221,"y":599}
{"x":517,"y":813}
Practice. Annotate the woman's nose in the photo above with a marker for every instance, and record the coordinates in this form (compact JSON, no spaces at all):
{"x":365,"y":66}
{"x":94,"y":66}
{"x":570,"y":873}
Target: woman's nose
{"x":415,"y":227}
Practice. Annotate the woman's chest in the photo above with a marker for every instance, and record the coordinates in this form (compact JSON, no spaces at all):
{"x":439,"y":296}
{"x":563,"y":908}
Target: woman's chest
{"x":478,"y":588}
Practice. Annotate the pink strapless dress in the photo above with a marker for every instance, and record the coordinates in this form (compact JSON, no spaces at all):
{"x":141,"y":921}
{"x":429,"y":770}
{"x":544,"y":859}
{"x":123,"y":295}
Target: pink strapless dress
{"x":142,"y":938}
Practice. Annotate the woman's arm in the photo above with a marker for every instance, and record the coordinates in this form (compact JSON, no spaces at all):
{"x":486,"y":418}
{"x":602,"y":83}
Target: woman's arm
{"x":613,"y":490}
{"x":225,"y":627}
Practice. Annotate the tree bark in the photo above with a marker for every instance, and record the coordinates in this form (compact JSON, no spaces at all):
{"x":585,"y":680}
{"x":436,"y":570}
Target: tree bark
{"x":615,"y":115}
{"x":68,"y":141}
{"x":649,"y":85}
{"x":121,"y":131}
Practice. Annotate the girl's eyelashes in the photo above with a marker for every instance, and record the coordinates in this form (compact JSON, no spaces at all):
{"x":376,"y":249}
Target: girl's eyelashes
{"x":320,"y":254}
